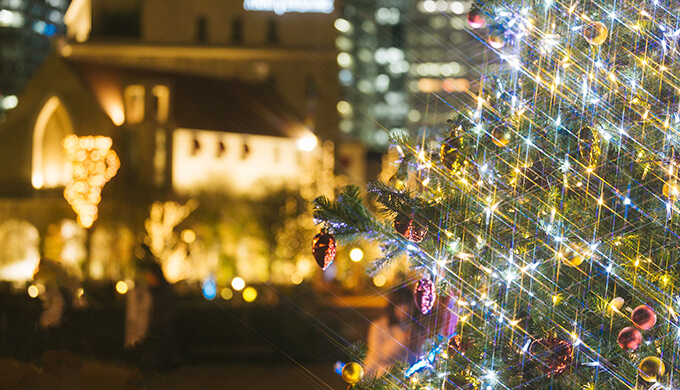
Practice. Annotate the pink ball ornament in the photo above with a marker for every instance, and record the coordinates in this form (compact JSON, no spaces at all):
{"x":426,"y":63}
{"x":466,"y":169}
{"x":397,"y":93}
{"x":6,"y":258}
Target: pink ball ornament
{"x":643,"y":317}
{"x":629,"y":338}
{"x":475,"y":19}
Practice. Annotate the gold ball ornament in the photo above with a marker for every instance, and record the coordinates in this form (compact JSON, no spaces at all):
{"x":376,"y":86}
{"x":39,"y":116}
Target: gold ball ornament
{"x":596,"y":33}
{"x":496,"y":40}
{"x":651,"y":368}
{"x":573,"y":255}
{"x":671,"y":190}
{"x":352,"y":373}
{"x":500,"y":136}
{"x":615,"y":304}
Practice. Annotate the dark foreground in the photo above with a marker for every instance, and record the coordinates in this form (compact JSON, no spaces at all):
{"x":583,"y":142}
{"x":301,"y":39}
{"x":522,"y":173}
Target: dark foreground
{"x":67,"y":371}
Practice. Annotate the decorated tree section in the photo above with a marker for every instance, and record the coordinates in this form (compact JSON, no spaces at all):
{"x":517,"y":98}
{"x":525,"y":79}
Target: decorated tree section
{"x":547,"y":212}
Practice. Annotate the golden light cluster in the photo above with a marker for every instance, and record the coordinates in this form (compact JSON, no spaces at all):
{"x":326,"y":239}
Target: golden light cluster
{"x":93,"y":164}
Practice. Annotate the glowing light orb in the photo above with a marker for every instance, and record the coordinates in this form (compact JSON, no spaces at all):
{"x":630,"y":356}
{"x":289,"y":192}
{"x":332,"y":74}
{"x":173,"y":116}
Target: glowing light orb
{"x":356,"y":255}
{"x":121,"y":287}
{"x":238,"y":283}
{"x":227,"y":294}
{"x":32,"y":291}
{"x":249,"y":294}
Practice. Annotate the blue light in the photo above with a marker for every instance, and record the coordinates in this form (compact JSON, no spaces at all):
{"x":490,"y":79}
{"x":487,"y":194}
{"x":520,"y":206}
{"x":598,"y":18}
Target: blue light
{"x":424,"y":362}
{"x":209,"y":289}
{"x":50,"y":30}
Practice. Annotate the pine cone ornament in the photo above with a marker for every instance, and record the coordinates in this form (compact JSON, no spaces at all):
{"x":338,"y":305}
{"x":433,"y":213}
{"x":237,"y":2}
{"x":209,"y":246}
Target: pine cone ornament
{"x":408,"y":228}
{"x":554,"y":355}
{"x":323,"y":249}
{"x":425,"y":295}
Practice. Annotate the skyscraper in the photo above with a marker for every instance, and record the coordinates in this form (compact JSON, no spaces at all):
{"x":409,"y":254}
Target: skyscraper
{"x":403,"y":63}
{"x":26,"y":27}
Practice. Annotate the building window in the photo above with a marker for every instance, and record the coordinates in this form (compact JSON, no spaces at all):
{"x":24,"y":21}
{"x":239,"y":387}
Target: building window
{"x":159,"y":158}
{"x":221,"y":149}
{"x":272,"y":31}
{"x":161,"y":102}
{"x":237,"y":31}
{"x":134,"y":103}
{"x":201,"y":29}
{"x":50,"y":167}
{"x":245,"y":151}
{"x":195,"y":146}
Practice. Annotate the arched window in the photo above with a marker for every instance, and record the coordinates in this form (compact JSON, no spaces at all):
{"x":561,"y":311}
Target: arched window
{"x":50,"y":168}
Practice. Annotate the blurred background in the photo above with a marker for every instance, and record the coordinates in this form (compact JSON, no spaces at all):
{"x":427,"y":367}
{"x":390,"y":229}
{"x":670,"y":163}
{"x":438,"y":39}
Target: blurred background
{"x":194,"y":134}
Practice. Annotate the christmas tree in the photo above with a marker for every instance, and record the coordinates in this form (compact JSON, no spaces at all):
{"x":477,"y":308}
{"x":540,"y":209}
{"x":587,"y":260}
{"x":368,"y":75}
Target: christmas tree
{"x":547,"y":212}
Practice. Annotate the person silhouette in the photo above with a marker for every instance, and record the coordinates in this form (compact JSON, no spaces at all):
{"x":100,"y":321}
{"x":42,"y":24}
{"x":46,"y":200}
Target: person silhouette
{"x":389,"y":336}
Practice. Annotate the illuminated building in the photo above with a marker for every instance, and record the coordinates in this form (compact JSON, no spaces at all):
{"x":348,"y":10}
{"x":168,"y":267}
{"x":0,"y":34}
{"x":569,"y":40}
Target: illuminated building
{"x":402,"y":63}
{"x":204,"y":100}
{"x":176,"y":136}
{"x":26,"y":30}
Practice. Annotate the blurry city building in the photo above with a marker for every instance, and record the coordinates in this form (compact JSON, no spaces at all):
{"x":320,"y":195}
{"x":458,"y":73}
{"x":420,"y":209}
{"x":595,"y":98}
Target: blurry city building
{"x":403,"y":66}
{"x":224,"y":121}
{"x":250,"y":108}
{"x":26,"y":29}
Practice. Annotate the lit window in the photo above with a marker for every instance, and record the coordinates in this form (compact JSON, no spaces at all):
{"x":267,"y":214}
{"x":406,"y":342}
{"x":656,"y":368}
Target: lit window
{"x":245,"y":151}
{"x":221,"y":149}
{"x":134,"y":103}
{"x":161,"y":95}
{"x":50,"y":168}
{"x":159,"y":158}
{"x":344,"y":59}
{"x":342,"y":25}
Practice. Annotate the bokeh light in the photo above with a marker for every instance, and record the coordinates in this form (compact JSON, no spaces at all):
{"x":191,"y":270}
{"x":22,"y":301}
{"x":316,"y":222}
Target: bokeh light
{"x":32,"y":291}
{"x":209,"y":289}
{"x":238,"y":283}
{"x":379,"y":280}
{"x":121,"y":287}
{"x":296,"y":278}
{"x":227,"y":294}
{"x":249,"y":294}
{"x":188,"y":236}
{"x":356,"y":255}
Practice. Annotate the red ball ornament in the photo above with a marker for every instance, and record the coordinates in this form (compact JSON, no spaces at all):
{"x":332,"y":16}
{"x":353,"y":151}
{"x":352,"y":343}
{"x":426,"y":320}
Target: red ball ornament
{"x":425,"y":295}
{"x":630,"y":338}
{"x":408,"y":228}
{"x":555,"y":355}
{"x":475,"y":19}
{"x":643,"y":317}
{"x":323,"y":249}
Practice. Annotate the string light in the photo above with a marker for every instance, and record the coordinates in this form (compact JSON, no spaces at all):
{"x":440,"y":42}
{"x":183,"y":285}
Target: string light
{"x":93,"y":164}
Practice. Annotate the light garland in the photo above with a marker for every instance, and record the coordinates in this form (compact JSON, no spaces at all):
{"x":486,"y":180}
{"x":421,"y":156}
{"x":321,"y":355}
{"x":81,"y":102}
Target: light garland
{"x":93,"y":164}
